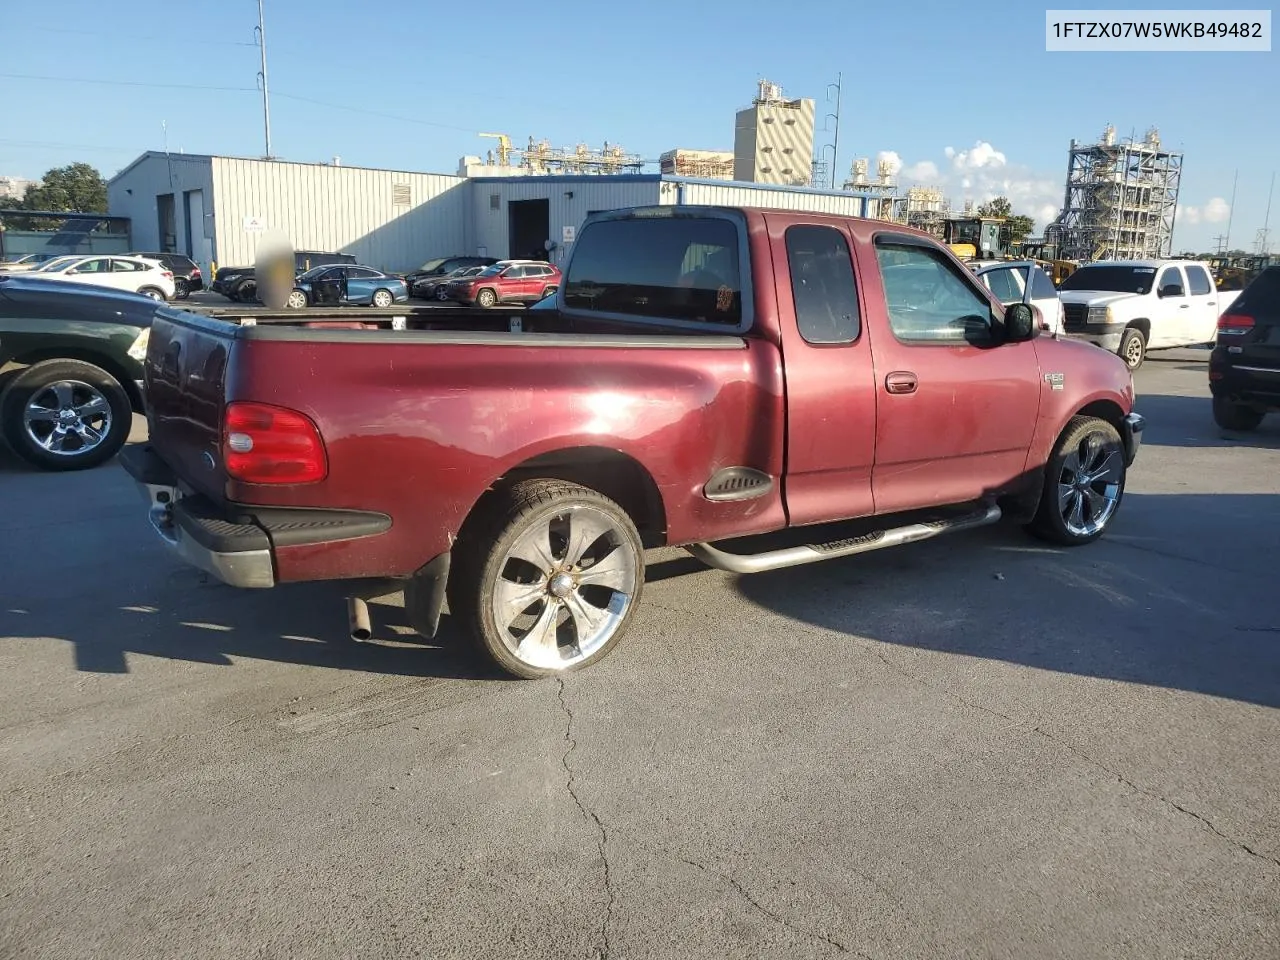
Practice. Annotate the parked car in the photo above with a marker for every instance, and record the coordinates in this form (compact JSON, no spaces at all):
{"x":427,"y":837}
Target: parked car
{"x":442,"y":267}
{"x":706,"y":377}
{"x":1132,"y":306}
{"x":187,"y":278}
{"x":132,"y":274}
{"x":334,"y":286}
{"x":1022,"y":281}
{"x":25,"y":263}
{"x":240,"y":284}
{"x":437,"y":288}
{"x":507,"y":281}
{"x":80,"y":350}
{"x":1244,"y":368}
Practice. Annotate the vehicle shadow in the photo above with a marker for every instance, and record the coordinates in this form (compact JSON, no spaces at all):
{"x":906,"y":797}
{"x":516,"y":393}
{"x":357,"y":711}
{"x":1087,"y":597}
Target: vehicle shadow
{"x":1190,"y":610}
{"x":192,"y":618}
{"x":1174,"y":421}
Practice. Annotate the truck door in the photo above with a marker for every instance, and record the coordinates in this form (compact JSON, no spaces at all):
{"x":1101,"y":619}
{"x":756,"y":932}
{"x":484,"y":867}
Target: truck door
{"x":1173,"y":322}
{"x":831,"y":402}
{"x":955,"y":413}
{"x":1204,"y":304}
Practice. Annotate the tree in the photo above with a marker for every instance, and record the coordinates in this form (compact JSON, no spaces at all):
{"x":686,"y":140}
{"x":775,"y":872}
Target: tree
{"x":75,"y":188}
{"x":1016,"y":227}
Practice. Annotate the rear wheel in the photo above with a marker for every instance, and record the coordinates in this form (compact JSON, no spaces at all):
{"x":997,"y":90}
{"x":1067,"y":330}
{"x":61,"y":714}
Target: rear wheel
{"x":383,"y":298}
{"x":1230,"y":415}
{"x":65,"y":415}
{"x":1083,"y":484}
{"x":546,"y":577}
{"x":154,"y":293}
{"x":181,"y":289}
{"x":486,"y":298}
{"x":1133,"y":348}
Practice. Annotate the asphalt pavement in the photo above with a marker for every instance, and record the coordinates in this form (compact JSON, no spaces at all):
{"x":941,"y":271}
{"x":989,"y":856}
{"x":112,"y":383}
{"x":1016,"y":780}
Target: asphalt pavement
{"x":974,"y":747}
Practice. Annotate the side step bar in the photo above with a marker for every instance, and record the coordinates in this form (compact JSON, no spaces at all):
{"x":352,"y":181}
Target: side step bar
{"x":811,"y":553}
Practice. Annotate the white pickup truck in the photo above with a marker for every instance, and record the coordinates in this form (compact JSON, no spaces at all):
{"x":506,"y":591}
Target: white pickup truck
{"x":1132,"y":306}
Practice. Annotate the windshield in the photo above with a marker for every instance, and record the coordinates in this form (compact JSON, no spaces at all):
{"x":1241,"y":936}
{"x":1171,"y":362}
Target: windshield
{"x":432,"y":266}
{"x":55,"y":265}
{"x":1113,"y":279}
{"x":493,"y":271}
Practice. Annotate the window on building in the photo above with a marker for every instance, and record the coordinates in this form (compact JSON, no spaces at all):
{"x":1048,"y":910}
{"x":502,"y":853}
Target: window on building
{"x":822,"y":285}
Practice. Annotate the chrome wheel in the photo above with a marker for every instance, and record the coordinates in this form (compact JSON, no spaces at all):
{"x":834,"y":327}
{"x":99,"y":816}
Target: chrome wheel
{"x":67,"y":418}
{"x":296,"y":300}
{"x":564,"y":587}
{"x":1090,"y":484}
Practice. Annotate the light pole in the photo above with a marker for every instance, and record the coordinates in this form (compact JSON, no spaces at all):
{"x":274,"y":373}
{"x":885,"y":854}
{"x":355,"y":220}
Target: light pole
{"x":262,"y":75}
{"x":835,"y":140}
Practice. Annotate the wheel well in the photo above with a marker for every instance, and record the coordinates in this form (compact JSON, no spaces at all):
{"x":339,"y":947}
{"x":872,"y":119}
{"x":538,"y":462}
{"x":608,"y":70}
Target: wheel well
{"x":619,"y":477}
{"x":1107,"y":410}
{"x":1143,"y":325}
{"x":88,"y":356}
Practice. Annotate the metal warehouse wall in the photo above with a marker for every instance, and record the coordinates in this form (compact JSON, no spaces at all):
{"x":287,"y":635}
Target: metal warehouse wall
{"x":740,"y":195}
{"x":133,"y":193}
{"x":385,"y":218}
{"x":588,"y":194}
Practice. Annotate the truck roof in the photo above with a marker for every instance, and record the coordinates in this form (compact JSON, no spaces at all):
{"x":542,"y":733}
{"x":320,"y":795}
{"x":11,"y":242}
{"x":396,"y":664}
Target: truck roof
{"x":808,"y":216}
{"x":1137,"y":263}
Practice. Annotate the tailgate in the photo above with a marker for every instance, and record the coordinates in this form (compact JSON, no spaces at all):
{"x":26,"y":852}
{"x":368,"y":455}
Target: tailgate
{"x":186,"y":370}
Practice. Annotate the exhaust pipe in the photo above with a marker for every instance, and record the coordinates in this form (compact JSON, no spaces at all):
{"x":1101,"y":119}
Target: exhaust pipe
{"x":358,"y":616}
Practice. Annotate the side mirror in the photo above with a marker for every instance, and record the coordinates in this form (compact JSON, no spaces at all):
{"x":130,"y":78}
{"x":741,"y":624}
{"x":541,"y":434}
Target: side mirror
{"x":1171,"y":290}
{"x":1019,"y":323}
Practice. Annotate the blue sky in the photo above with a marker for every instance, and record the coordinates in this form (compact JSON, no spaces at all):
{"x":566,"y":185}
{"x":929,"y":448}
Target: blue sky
{"x":918,"y":79}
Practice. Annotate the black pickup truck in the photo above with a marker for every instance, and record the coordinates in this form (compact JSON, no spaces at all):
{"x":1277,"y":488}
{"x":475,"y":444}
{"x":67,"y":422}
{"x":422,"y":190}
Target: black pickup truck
{"x":70,"y":369}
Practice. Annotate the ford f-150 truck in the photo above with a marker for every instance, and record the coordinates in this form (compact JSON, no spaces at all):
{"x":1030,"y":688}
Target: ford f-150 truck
{"x":762,"y":388}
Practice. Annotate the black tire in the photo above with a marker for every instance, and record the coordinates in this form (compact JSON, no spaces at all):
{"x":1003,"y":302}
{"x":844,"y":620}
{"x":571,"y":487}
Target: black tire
{"x":486,"y":298}
{"x":181,"y":289}
{"x":1238,"y":417}
{"x":484,"y":552}
{"x":1133,"y":348}
{"x":1051,"y":520}
{"x":385,"y":295}
{"x":36,"y":383}
{"x":247,"y":292}
{"x":155,"y":293}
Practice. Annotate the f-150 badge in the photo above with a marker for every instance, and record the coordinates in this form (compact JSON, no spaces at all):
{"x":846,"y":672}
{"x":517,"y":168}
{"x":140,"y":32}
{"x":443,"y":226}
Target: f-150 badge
{"x":1055,"y":380}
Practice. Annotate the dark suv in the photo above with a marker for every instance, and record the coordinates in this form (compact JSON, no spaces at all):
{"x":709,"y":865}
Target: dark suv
{"x":187,"y":278}
{"x":1244,"y":368}
{"x":240,"y":283}
{"x":428,"y":276}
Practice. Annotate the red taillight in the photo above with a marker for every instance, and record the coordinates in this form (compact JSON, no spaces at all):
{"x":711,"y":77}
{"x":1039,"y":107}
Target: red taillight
{"x":266,"y":444}
{"x":167,"y":273}
{"x":1234,"y":323}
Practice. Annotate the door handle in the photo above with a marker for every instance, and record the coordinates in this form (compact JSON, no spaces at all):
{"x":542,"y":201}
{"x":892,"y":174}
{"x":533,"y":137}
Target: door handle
{"x":901,"y":381}
{"x":1185,"y":306}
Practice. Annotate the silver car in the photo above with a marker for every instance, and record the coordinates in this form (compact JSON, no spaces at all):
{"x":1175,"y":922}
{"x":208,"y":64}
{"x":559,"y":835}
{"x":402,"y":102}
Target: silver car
{"x":1022,"y":281}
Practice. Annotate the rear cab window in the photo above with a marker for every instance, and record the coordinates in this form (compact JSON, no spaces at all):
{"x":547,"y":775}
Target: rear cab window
{"x":822,"y":284}
{"x":660,"y":269}
{"x":1198,"y":279}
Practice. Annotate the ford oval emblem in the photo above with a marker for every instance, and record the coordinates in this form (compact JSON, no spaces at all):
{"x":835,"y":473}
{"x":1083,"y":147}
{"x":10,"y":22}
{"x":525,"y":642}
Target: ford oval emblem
{"x":209,"y":462}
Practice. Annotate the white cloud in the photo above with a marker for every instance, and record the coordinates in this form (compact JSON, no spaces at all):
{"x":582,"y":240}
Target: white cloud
{"x":1216,"y":210}
{"x":1185,"y":214}
{"x":981,"y":173}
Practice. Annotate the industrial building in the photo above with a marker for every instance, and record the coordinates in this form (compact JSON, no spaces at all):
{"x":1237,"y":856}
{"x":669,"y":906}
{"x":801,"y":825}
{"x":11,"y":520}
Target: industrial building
{"x":217,"y":209}
{"x":773,"y":139}
{"x":1120,"y":200}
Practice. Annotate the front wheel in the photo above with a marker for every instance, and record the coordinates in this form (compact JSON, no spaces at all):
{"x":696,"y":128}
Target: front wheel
{"x":1133,"y":348}
{"x":65,"y":415}
{"x":296,"y":300}
{"x":486,"y":298}
{"x":547,"y":577}
{"x":382,"y":298}
{"x":1235,"y":416}
{"x":1083,"y":484}
{"x":442,"y":293}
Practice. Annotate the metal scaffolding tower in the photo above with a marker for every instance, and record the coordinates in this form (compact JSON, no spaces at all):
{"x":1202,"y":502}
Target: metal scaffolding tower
{"x":1120,"y":200}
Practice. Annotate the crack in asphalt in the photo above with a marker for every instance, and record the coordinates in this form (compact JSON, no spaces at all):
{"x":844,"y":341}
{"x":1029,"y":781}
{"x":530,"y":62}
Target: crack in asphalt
{"x":602,"y":840}
{"x":1266,"y":858}
{"x":775,"y":917}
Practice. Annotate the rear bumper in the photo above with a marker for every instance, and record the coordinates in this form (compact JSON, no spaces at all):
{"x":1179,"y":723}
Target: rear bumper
{"x":1246,"y":381}
{"x":235,"y":543}
{"x":1131,"y":432}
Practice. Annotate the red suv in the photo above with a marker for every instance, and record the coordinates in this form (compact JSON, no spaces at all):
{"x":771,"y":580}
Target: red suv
{"x":507,"y":281}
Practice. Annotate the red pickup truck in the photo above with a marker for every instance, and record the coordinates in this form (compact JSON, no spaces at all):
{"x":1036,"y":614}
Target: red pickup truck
{"x":763,"y":388}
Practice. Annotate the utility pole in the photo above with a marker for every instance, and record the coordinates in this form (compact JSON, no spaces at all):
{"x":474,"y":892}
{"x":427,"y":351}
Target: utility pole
{"x":1264,"y":235}
{"x":835,"y":140}
{"x":1231,"y":211}
{"x":262,"y":75}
